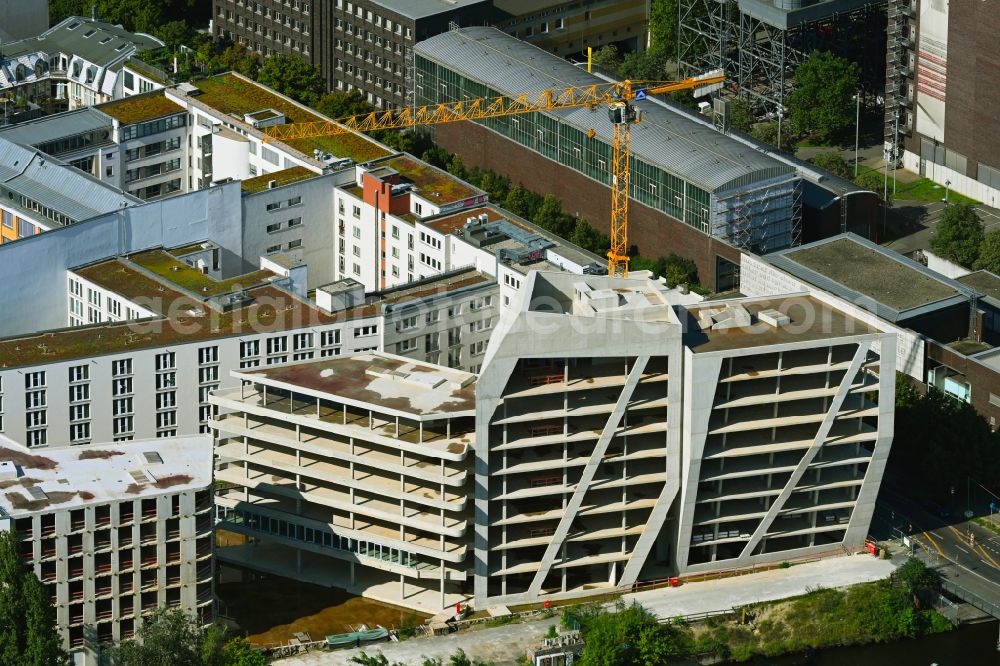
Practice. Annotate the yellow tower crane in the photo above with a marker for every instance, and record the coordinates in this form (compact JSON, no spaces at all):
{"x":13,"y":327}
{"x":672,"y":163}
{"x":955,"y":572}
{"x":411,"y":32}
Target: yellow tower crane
{"x":617,"y":95}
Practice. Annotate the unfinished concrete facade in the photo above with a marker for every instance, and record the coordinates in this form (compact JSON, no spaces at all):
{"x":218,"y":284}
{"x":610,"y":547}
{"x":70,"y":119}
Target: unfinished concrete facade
{"x":627,"y":433}
{"x":351,"y":472}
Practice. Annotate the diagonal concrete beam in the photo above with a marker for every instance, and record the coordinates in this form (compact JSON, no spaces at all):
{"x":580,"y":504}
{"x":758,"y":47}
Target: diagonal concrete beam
{"x":807,"y":457}
{"x":587,"y":476}
{"x":657,"y":516}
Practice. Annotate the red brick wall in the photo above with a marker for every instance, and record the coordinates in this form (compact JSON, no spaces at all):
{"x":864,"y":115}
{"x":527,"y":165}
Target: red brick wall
{"x":982,"y":379}
{"x":654,"y":233}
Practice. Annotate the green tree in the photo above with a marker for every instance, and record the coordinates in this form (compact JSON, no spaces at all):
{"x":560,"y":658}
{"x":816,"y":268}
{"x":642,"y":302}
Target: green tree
{"x":835,"y":164}
{"x":436,"y":156}
{"x":607,"y":58}
{"x":237,"y":58}
{"x":959,"y":235}
{"x":821,"y":102}
{"x":239,"y":652}
{"x":174,"y":33}
{"x":873,"y":180}
{"x":663,"y":29}
{"x":456,"y":167}
{"x":740,"y":117}
{"x":589,"y":238}
{"x":989,"y":253}
{"x":28,"y":635}
{"x":522,"y":202}
{"x":916,"y":577}
{"x":547,"y":214}
{"x":165,"y":638}
{"x":342,"y":104}
{"x":678,"y":270}
{"x":292,"y":76}
{"x":768,"y":133}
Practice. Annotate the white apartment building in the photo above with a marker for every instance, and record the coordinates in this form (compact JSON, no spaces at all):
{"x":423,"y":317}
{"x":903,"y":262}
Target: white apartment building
{"x":152,"y":334}
{"x":78,"y":62}
{"x":351,"y":472}
{"x":626,"y":432}
{"x":114,"y":531}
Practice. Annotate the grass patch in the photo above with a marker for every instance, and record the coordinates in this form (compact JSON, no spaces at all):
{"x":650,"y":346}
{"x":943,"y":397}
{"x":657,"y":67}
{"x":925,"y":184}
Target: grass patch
{"x":283,"y":177}
{"x":922,"y":189}
{"x":988,"y":524}
{"x":187,"y":277}
{"x":139,"y":108}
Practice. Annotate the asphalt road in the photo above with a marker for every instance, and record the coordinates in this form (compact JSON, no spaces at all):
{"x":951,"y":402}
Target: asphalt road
{"x":962,"y":551}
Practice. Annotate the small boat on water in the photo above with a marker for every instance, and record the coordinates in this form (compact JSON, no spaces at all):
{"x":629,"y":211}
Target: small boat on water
{"x":357,"y":638}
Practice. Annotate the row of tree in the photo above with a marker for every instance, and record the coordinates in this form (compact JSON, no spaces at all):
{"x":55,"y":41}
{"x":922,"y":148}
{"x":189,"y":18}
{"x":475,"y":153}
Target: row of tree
{"x":961,"y":237}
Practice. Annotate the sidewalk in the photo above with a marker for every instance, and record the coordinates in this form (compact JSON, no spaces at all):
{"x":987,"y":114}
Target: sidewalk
{"x":502,"y":645}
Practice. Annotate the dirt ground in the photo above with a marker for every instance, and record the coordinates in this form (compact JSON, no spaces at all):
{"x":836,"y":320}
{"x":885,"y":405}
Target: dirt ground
{"x":270,"y":609}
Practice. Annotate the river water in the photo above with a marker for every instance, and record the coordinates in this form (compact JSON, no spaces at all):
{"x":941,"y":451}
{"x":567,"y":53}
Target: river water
{"x":968,"y":645}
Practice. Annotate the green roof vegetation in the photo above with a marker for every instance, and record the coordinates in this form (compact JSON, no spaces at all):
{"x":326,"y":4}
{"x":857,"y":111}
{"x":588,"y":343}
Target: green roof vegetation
{"x":434,"y":185}
{"x":137,"y":109}
{"x":283,"y":177}
{"x":350,"y":145}
{"x":269,"y":312}
{"x":187,"y":249}
{"x":187,"y":277}
{"x":231,"y":94}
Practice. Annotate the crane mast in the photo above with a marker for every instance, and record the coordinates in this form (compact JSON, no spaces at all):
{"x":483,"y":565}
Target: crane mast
{"x":616,"y":95}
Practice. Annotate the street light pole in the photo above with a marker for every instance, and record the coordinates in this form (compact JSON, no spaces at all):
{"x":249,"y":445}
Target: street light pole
{"x":947,"y":184}
{"x":857,"y":129}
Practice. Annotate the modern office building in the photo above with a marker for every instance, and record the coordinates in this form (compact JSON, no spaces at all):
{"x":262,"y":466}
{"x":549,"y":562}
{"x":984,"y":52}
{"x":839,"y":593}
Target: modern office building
{"x":351,"y":472}
{"x":940,"y":78}
{"x":623,"y":432}
{"x":75,"y":63}
{"x":567,"y":28}
{"x":114,"y":531}
{"x":365,"y":44}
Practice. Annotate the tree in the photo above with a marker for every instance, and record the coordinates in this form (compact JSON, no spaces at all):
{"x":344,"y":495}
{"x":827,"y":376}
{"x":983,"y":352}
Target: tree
{"x":740,"y":117}
{"x":989,"y":253}
{"x":522,"y":202}
{"x":959,"y":235}
{"x":822,"y":101}
{"x":28,"y":635}
{"x":165,"y":638}
{"x":663,"y":28}
{"x":342,"y":104}
{"x":768,"y":133}
{"x":174,"y":33}
{"x":237,"y":58}
{"x":239,"y":652}
{"x":547,"y":214}
{"x":678,"y":270}
{"x":607,"y":58}
{"x":835,"y":164}
{"x":872,"y":180}
{"x":589,"y":238}
{"x":293,"y":76}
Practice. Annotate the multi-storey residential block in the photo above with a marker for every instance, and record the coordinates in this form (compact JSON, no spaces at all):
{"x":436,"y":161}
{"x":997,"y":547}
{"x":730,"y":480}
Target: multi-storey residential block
{"x":77,"y":62}
{"x":621,"y":439}
{"x":567,"y":28}
{"x":152,"y":334}
{"x":114,"y":531}
{"x":351,"y":472}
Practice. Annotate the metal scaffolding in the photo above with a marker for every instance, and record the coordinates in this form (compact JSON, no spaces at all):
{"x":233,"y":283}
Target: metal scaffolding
{"x":759,"y":56}
{"x":898,"y":68}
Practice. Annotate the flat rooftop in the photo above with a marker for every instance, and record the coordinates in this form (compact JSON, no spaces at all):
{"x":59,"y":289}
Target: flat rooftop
{"x":141,"y":108}
{"x":809,"y":319}
{"x":284,"y":177}
{"x":984,"y":282}
{"x":381,"y":381}
{"x":416,"y":9}
{"x":236,"y":96}
{"x":854,"y":268}
{"x":49,"y":479}
{"x":121,"y":277}
{"x":435,"y":185}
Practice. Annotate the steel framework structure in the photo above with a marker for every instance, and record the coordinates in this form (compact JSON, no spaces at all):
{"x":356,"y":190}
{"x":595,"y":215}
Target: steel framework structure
{"x":759,"y":58}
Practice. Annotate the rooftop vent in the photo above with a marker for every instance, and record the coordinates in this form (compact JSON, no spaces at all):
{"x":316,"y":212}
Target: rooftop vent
{"x":141,"y":476}
{"x":8,"y":471}
{"x":774,"y":318}
{"x":271,"y":184}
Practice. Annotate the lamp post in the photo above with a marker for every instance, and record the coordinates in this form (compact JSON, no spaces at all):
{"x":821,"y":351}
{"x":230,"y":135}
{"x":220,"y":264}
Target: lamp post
{"x":947,"y":184}
{"x":857,"y":129}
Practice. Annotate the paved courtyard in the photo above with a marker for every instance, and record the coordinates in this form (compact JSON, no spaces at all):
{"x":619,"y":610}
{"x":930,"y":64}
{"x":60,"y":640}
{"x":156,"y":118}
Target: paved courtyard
{"x":502,"y":645}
